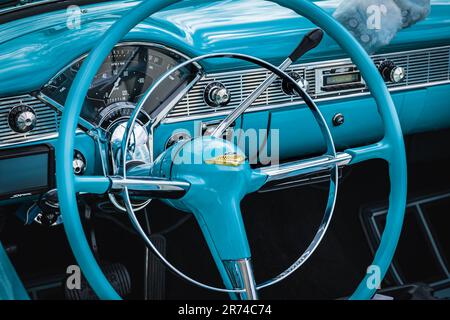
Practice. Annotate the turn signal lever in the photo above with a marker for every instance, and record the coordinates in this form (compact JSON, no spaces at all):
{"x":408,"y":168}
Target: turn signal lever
{"x":309,"y":41}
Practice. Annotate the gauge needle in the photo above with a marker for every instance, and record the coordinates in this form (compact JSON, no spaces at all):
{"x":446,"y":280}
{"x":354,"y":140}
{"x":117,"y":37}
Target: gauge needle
{"x":125,"y":65}
{"x":115,"y":87}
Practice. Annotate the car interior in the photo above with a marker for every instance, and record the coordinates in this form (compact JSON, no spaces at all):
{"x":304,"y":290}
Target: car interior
{"x":224,"y":149}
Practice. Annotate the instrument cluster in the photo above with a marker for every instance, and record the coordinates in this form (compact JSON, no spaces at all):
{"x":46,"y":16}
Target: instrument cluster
{"x":125,"y":75}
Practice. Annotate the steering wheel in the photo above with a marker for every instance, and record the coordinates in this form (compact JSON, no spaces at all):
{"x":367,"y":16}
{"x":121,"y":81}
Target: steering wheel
{"x":211,"y":188}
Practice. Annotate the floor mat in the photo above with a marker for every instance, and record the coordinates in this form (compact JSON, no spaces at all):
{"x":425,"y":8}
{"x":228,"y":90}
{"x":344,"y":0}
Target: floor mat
{"x":423,"y":252}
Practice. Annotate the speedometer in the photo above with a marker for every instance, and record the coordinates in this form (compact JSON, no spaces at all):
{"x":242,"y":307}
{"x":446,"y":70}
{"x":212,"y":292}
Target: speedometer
{"x":126,"y":87}
{"x":124,"y":76}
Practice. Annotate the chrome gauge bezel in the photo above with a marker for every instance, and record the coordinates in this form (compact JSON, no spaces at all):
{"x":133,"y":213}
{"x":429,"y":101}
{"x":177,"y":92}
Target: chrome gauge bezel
{"x":88,"y":125}
{"x":116,"y":107}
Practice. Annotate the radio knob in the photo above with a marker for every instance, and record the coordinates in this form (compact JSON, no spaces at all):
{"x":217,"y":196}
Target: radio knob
{"x":288,"y":87}
{"x":22,"y":118}
{"x":216,"y":95}
{"x":391,"y":72}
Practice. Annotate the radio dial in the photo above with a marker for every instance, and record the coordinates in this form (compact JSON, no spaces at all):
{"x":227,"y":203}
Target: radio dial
{"x":216,"y":95}
{"x":391,"y":72}
{"x":288,"y":87}
{"x":22,"y":118}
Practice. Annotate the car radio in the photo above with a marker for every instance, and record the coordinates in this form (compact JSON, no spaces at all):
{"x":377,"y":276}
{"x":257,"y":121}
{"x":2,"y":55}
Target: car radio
{"x":338,"y":78}
{"x":26,"y":171}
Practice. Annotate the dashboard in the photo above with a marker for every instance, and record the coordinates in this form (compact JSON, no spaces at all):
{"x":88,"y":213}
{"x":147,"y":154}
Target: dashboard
{"x":40,"y":58}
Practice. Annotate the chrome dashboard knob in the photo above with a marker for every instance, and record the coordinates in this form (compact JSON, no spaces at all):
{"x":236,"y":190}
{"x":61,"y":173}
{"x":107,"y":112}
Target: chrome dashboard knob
{"x":288,"y":87}
{"x":216,"y":95}
{"x":78,"y":163}
{"x":22,"y":118}
{"x":391,"y":72}
{"x":397,"y":74}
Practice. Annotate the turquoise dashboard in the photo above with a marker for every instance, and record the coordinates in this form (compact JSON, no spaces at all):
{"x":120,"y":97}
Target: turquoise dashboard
{"x":37,"y":51}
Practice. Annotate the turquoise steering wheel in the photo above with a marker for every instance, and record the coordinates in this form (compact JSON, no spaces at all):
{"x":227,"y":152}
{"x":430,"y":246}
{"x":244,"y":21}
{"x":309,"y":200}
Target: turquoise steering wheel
{"x":204,"y":181}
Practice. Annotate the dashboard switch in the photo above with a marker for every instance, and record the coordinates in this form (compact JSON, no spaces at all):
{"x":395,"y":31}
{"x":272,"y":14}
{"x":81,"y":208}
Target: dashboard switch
{"x":22,"y":118}
{"x":338,"y":119}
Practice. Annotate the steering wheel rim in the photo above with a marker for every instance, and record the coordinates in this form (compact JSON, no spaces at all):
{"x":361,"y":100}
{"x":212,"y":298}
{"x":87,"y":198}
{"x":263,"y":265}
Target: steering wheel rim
{"x":390,"y":148}
{"x":331,"y":152}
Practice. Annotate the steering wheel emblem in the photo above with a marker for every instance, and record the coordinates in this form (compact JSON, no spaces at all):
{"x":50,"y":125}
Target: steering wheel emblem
{"x":227,"y":159}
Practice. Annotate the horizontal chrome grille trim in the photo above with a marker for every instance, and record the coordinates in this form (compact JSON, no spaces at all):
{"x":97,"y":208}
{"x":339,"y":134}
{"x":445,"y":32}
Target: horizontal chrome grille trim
{"x":47,"y":123}
{"x":424,"y":67}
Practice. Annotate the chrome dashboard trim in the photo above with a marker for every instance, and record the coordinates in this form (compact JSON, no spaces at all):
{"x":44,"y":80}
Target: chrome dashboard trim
{"x":175,"y":116}
{"x":248,"y":101}
{"x":47,"y":123}
{"x":303,"y":167}
{"x":427,"y":67}
{"x":290,"y":104}
{"x":153,"y":123}
{"x":50,"y":136}
{"x":31,"y":140}
{"x":44,"y":98}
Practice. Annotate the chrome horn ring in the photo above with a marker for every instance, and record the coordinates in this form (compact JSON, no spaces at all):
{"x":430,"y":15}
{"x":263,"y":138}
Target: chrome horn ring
{"x":331,"y":152}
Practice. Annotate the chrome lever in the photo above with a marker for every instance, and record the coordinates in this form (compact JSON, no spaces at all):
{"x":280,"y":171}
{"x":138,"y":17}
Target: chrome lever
{"x":309,"y":41}
{"x":304,"y":167}
{"x":150,"y":187}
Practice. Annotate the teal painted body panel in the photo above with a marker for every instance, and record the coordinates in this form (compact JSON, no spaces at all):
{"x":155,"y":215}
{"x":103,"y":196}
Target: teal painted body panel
{"x":34,"y":49}
{"x":11,"y":287}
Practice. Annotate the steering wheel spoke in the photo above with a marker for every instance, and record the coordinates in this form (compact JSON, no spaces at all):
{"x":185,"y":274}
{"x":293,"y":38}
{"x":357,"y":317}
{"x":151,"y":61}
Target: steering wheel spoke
{"x":223,"y":229}
{"x":149,"y":187}
{"x":142,"y":187}
{"x":92,"y":184}
{"x":300,"y":168}
{"x":379,"y":150}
